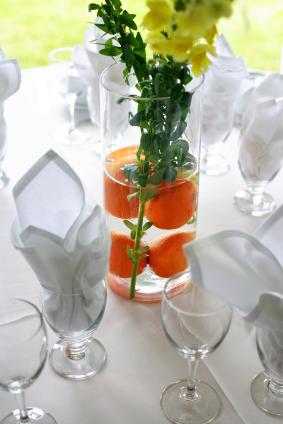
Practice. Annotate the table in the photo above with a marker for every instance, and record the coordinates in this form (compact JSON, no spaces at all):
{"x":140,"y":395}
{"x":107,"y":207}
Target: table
{"x":140,"y":360}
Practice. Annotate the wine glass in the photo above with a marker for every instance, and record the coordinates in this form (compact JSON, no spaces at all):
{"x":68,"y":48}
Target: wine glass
{"x":23,"y":350}
{"x":195,"y":323}
{"x":3,"y":143}
{"x":69,"y":85}
{"x":267,"y":386}
{"x":218,"y":117}
{"x":74,"y":317}
{"x":258,"y":167}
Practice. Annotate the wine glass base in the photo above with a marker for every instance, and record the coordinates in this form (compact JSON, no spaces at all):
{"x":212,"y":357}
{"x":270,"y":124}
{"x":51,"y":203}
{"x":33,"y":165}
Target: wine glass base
{"x":202,"y":410}
{"x":35,"y":415}
{"x":244,"y":202}
{"x":3,"y":179}
{"x":264,"y":398}
{"x":76,"y":137}
{"x":78,"y":369}
{"x":214,"y":165}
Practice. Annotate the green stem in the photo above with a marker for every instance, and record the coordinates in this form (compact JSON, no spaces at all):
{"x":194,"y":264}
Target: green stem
{"x":136,"y":255}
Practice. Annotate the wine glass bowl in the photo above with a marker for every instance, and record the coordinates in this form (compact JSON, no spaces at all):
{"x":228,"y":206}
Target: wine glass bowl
{"x":218,"y":117}
{"x":23,"y":351}
{"x":195,"y":323}
{"x":267,"y":386}
{"x":74,"y":317}
{"x":69,"y":85}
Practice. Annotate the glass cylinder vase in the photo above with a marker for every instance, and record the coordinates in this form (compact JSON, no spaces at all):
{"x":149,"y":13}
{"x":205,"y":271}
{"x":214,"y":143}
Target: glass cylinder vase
{"x":151,"y":150}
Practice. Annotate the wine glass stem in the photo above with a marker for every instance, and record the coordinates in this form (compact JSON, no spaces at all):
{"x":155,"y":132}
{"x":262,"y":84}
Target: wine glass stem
{"x":191,"y":380}
{"x":20,"y":396}
{"x":72,"y":104}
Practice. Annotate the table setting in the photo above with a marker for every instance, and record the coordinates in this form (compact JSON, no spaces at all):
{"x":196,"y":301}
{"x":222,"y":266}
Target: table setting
{"x":158,"y":295}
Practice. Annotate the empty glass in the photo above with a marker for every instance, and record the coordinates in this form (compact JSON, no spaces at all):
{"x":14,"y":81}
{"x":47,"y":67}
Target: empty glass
{"x":74,"y":317}
{"x":68,"y":83}
{"x":195,"y":323}
{"x":218,"y":117}
{"x":258,"y":166}
{"x":3,"y":177}
{"x":267,"y":386}
{"x":23,"y":350}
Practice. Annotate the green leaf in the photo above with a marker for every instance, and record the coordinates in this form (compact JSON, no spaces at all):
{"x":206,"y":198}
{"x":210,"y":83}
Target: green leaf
{"x":93,"y":6}
{"x":143,"y":250}
{"x":147,"y":225}
{"x":157,"y":177}
{"x":129,"y":224}
{"x":170,"y":174}
{"x":133,"y":234}
{"x":111,"y":51}
{"x":130,"y":252}
{"x":131,"y":172}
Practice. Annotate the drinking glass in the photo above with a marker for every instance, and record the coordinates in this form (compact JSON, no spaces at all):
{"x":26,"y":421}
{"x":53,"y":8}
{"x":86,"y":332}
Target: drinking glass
{"x":23,"y":350}
{"x":69,"y":85}
{"x":74,"y":317}
{"x":218,"y":117}
{"x":3,"y":143}
{"x":258,"y":167}
{"x":267,"y":386}
{"x":195,"y":323}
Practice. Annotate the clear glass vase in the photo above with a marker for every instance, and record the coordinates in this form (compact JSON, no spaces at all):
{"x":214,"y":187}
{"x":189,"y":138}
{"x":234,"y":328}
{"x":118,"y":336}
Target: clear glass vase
{"x":167,"y":219}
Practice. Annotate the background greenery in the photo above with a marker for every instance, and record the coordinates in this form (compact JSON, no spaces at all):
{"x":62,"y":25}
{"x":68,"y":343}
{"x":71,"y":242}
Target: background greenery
{"x":31,"y":28}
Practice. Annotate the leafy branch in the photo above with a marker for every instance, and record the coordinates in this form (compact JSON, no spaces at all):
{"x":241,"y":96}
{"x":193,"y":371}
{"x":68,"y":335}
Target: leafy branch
{"x":162,"y":110}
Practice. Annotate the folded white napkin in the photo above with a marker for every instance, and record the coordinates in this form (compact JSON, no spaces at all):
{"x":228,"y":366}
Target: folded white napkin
{"x":242,"y":270}
{"x":10,"y":78}
{"x":222,"y":87}
{"x":64,"y":239}
{"x":261,"y":135}
{"x":227,"y":72}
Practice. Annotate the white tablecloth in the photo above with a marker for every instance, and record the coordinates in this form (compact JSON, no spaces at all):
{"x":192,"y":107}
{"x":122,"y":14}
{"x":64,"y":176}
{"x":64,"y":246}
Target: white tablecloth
{"x":140,"y":360}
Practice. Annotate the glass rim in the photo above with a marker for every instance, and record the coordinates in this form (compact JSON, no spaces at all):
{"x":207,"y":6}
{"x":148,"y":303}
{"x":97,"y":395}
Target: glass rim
{"x":184,"y":312}
{"x":38,"y":313}
{"x":139,"y":99}
{"x":52,"y":53}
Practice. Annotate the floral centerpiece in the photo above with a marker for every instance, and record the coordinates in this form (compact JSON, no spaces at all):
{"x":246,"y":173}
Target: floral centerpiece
{"x":151,"y":184}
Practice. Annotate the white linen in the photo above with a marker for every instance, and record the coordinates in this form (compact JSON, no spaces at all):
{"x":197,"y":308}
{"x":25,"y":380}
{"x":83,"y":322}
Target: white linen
{"x":141,"y":361}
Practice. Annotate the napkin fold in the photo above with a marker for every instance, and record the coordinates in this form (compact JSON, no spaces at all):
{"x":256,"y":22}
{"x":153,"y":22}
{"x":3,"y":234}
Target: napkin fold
{"x":261,"y":134}
{"x":63,"y":238}
{"x":222,"y":87}
{"x":244,"y":270}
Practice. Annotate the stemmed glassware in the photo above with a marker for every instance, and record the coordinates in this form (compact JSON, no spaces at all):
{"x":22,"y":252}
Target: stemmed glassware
{"x":74,"y":317}
{"x":3,"y":177}
{"x":258,"y":168}
{"x":218,"y":117}
{"x":195,"y":323}
{"x":267,"y":386}
{"x":69,"y":85}
{"x":23,"y":351}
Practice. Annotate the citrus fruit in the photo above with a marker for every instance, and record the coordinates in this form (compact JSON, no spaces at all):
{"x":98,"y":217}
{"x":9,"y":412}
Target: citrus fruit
{"x":173,"y":205}
{"x":116,"y":185}
{"x":166,"y":255}
{"x":119,"y":263}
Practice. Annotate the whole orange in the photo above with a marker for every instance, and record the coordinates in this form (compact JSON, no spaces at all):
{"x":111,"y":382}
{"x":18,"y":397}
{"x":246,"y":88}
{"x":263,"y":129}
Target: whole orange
{"x":166,"y":255}
{"x":119,"y":263}
{"x":117,"y":187}
{"x":173,"y":205}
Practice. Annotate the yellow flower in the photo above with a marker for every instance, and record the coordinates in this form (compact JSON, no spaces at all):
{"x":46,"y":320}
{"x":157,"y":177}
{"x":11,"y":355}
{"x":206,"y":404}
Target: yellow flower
{"x":159,"y":15}
{"x":199,"y":59}
{"x":210,"y":34}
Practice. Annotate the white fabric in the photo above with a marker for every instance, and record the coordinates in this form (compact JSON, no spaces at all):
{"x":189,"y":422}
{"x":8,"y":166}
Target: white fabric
{"x":64,"y":240}
{"x":141,"y":362}
{"x":261,"y":138}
